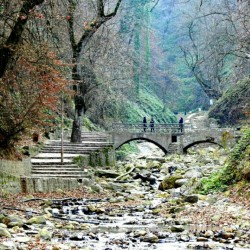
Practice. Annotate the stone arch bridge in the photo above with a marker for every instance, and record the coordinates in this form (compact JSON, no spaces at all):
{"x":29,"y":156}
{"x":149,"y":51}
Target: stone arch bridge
{"x":170,"y":137}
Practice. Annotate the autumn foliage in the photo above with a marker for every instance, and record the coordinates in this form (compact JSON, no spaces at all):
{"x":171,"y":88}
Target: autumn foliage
{"x":29,"y":93}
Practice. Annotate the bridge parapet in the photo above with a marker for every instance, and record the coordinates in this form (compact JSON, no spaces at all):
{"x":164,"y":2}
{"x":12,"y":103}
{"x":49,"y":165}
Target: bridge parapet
{"x":218,"y":136}
{"x":165,"y":136}
{"x":159,"y":128}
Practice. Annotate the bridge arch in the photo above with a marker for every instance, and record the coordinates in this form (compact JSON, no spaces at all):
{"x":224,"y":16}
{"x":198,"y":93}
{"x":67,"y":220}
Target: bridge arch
{"x":142,"y":139}
{"x":199,"y":142}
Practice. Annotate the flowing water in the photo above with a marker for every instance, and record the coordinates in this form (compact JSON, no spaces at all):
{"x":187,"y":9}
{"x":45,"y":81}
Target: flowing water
{"x":126,"y":228}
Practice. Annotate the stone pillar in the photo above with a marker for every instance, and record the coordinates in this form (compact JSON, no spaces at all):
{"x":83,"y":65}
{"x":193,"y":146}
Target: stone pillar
{"x":181,"y":144}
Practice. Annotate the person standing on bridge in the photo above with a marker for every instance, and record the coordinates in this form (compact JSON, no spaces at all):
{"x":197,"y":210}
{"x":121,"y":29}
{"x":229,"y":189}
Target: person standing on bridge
{"x":144,"y":123}
{"x":152,"y":124}
{"x":181,"y":123}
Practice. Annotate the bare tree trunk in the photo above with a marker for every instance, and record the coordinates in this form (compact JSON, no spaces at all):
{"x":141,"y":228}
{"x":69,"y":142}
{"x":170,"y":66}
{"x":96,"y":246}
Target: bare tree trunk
{"x":77,"y":48}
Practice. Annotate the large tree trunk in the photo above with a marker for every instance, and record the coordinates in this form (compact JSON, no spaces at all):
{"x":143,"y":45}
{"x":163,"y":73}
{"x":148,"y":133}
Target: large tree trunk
{"x":77,"y":48}
{"x":76,"y":130}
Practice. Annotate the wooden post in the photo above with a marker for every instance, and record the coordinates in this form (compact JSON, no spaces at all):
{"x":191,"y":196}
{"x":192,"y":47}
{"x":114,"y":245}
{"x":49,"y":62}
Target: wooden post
{"x":23,"y":185}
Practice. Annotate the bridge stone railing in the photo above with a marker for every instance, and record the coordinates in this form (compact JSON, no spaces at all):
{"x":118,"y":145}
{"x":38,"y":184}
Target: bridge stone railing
{"x":169,"y":128}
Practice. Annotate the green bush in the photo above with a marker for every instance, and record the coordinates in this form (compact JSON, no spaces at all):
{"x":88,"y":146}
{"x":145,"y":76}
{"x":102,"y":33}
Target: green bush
{"x":236,"y":169}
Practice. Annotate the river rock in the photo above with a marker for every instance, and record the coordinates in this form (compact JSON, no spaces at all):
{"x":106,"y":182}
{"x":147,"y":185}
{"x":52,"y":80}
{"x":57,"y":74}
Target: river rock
{"x":112,"y":186}
{"x":106,"y":173}
{"x":191,"y":198}
{"x":202,"y":239}
{"x":169,"y":182}
{"x":150,"y":237}
{"x":45,"y":234}
{"x":184,"y":238}
{"x":209,"y":234}
{"x":96,"y":188}
{"x":227,"y":235}
{"x":4,"y":232}
{"x":177,"y":228}
{"x":193,"y":173}
{"x":175,"y":192}
{"x":153,"y":164}
{"x":61,"y":247}
{"x":205,"y":161}
{"x":2,"y":218}
{"x":181,"y":182}
{"x":86,"y":181}
{"x":176,"y":209}
{"x":156,"y":158}
{"x":8,"y":245}
{"x":22,"y":239}
{"x":14,"y":221}
{"x":139,"y":165}
{"x":139,"y":233}
{"x":37,"y":220}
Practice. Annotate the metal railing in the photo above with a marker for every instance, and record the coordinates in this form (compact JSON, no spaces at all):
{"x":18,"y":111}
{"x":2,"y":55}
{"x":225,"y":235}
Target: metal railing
{"x":173,"y":128}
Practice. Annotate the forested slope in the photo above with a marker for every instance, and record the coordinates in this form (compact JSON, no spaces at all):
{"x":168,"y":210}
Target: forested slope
{"x":234,"y":106}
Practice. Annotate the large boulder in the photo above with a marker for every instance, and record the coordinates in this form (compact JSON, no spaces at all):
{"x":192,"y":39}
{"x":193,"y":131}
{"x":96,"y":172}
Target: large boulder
{"x":45,"y":234}
{"x":191,"y":198}
{"x":14,"y":221}
{"x":106,"y":173}
{"x":4,"y":232}
{"x":194,"y":172}
{"x":37,"y":220}
{"x":169,"y":182}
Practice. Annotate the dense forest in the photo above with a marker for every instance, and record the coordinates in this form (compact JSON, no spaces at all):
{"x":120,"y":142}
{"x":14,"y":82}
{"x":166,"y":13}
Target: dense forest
{"x":118,"y":60}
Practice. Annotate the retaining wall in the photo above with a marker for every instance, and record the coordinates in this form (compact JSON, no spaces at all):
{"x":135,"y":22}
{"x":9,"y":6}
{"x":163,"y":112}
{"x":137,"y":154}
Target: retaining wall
{"x":10,"y":173}
{"x":45,"y":185}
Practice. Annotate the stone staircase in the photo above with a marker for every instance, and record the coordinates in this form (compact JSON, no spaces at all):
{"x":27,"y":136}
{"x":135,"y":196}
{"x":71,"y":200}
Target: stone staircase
{"x":48,"y":163}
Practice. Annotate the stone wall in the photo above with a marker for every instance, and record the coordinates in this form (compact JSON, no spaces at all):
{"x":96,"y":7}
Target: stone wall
{"x":102,"y":157}
{"x":36,"y":185}
{"x":10,"y":173}
{"x":16,"y":168}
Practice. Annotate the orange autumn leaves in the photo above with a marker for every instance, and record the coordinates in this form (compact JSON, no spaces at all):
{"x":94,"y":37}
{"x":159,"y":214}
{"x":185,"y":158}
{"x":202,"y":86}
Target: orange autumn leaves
{"x":29,"y":92}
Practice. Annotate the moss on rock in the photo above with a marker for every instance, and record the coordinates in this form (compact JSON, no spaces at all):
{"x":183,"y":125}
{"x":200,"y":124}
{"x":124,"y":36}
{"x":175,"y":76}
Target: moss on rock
{"x":169,"y":182}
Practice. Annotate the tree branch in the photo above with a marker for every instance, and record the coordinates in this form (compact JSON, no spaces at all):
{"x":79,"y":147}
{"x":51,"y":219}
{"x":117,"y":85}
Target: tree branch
{"x":7,"y":51}
{"x":115,"y":10}
{"x":100,"y":8}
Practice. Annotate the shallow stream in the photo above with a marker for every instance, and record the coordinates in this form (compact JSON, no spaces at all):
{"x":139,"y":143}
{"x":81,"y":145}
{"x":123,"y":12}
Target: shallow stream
{"x":125,"y":228}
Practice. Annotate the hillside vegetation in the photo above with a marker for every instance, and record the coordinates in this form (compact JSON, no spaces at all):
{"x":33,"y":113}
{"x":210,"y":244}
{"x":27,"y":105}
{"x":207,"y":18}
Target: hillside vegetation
{"x":233,"y":107}
{"x":237,"y":167}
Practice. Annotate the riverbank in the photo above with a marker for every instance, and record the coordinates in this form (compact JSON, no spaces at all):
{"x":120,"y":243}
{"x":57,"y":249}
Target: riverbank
{"x":123,"y":208}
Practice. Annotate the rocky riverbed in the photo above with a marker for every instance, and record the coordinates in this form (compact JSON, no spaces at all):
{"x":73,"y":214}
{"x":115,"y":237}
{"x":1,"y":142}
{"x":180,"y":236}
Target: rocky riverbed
{"x":145,"y":202}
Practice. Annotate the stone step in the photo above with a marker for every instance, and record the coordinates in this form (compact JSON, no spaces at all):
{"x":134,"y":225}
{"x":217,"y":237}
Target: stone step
{"x":92,"y":137}
{"x":93,"y":145}
{"x":57,"y":166}
{"x":56,"y":169}
{"x":56,"y":172}
{"x":73,"y":148}
{"x":49,"y":163}
{"x":50,"y":157}
{"x":76,"y":145}
{"x":58,"y":176}
{"x":70,"y":151}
